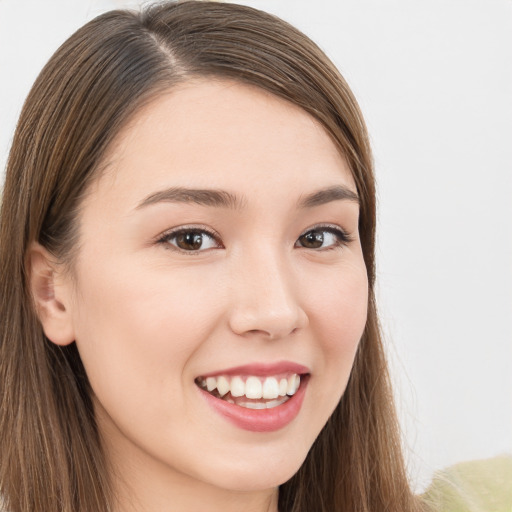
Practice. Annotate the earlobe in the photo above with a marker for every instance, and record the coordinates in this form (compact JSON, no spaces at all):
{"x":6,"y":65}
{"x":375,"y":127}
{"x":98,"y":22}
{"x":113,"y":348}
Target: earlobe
{"x":51,"y":294}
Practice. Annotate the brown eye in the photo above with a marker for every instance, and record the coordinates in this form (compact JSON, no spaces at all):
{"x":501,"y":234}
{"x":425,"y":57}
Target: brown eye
{"x":312,"y":239}
{"x":191,"y":240}
{"x":328,"y":237}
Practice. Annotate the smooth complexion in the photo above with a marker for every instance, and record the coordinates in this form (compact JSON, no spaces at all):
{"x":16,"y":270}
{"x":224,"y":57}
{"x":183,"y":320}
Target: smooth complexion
{"x":150,"y":314}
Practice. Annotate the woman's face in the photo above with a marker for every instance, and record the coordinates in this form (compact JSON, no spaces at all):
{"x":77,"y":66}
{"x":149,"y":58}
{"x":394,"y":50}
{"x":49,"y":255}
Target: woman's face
{"x":219,"y":248}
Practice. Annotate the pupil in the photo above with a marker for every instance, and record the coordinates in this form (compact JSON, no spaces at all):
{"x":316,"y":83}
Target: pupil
{"x":189,"y":241}
{"x":313,"y":239}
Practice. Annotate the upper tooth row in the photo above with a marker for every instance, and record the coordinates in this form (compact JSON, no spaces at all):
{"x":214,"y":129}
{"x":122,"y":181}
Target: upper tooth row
{"x":253,"y":387}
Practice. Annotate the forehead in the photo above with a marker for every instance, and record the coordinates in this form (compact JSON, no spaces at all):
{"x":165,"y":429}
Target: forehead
{"x":222,"y":134}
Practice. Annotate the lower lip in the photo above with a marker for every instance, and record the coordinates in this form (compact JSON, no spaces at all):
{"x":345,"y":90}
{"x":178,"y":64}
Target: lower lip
{"x":260,"y":420}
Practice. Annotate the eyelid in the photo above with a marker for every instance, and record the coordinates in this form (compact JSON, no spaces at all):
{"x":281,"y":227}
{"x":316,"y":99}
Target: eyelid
{"x":344,"y":236}
{"x":164,"y":237}
{"x":328,"y":227}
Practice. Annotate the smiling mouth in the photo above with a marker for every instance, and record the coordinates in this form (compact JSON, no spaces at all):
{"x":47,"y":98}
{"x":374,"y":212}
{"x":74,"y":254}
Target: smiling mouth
{"x":252,"y":392}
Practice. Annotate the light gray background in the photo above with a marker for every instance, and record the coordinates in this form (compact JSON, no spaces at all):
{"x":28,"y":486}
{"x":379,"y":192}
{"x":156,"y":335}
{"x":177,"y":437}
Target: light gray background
{"x":434,"y":80}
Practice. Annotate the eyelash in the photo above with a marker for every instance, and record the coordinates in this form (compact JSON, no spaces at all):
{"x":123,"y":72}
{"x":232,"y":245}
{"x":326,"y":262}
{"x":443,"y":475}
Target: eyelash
{"x":174,"y":233}
{"x":343,"y":238}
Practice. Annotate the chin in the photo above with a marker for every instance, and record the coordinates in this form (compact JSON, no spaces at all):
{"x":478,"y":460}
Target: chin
{"x":258,"y":475}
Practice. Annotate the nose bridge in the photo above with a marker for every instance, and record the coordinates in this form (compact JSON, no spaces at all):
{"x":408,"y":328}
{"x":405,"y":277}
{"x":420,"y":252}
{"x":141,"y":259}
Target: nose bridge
{"x":265,"y":298}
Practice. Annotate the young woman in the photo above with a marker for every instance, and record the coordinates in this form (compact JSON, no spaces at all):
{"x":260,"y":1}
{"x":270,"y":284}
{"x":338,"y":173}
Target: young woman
{"x":187,"y":277}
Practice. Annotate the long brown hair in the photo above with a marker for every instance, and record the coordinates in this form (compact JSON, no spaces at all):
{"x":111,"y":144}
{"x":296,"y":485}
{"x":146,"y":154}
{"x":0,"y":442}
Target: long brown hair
{"x":50,"y":451}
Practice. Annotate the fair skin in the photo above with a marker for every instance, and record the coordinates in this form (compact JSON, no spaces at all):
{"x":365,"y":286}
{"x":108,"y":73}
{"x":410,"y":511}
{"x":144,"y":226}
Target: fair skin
{"x":268,"y":280}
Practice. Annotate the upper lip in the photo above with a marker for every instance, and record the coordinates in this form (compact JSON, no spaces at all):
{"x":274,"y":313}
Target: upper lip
{"x":261,"y":369}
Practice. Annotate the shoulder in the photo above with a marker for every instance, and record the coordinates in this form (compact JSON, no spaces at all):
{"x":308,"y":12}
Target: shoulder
{"x":476,"y":486}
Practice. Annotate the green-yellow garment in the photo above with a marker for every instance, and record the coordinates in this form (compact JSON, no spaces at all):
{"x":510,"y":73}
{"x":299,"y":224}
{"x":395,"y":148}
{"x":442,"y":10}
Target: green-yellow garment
{"x":476,"y":486}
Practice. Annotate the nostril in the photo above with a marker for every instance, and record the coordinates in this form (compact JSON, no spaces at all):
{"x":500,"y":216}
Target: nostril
{"x":267,"y":323}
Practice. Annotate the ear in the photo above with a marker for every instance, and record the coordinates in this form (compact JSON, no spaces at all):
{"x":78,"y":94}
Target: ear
{"x":51,"y":294}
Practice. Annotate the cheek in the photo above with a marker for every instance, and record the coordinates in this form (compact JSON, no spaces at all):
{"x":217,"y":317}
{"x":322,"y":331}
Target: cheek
{"x":137,"y":333}
{"x":338,"y":312}
{"x":339,"y":306}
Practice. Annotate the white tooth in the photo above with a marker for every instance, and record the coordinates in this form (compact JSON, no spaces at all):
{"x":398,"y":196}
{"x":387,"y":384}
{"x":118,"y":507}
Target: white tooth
{"x":254,"y":405}
{"x":222,"y":386}
{"x":297,"y":382}
{"x":270,"y":388}
{"x":231,"y":401}
{"x":283,"y":386}
{"x":290,"y":390}
{"x":237,"y":386}
{"x":253,"y":388}
{"x":211,"y":383}
{"x":275,"y":403}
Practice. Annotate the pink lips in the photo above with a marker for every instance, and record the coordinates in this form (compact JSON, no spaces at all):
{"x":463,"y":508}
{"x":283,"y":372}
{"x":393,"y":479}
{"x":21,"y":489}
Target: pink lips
{"x":262,"y":369}
{"x":261,"y":420}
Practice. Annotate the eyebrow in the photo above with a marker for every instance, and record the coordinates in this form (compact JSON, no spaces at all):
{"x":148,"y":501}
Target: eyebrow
{"x":205,"y":197}
{"x":225,"y":199}
{"x":327,"y":195}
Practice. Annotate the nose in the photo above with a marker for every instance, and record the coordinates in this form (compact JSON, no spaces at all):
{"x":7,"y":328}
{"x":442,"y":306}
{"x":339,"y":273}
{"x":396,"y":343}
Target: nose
{"x":265,"y":299}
